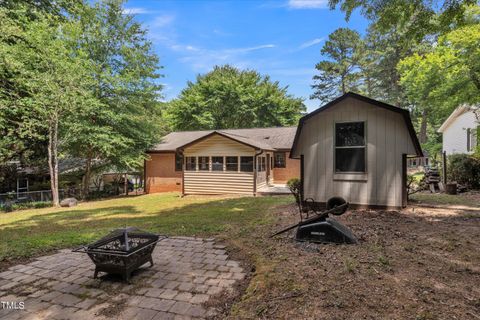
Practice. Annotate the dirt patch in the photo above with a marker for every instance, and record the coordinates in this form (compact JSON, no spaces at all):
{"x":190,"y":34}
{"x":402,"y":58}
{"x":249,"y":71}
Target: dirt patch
{"x":419,"y":263}
{"x":223,"y":302}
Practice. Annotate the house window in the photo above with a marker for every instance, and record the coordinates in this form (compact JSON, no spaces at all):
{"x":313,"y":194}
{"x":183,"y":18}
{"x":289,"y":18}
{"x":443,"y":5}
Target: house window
{"x":232,"y":163}
{"x":350,"y":147}
{"x":472,"y":138}
{"x":279,"y":159}
{"x":246,"y":164}
{"x":261,"y":164}
{"x":190,"y":163}
{"x":178,"y":162}
{"x":217,"y":163}
{"x":203,"y":164}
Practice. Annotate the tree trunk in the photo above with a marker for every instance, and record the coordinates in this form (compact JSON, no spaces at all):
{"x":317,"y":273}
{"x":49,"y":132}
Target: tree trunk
{"x":125,"y":184}
{"x":53,"y":159}
{"x":88,"y":171}
{"x":423,"y":128}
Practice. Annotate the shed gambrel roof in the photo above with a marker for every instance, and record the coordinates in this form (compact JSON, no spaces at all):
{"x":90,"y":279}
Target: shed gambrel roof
{"x":405,"y":113}
{"x":276,"y":138}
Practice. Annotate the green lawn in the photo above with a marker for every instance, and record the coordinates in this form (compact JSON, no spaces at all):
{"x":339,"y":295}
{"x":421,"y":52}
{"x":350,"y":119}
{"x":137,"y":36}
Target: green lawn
{"x":32,"y":232}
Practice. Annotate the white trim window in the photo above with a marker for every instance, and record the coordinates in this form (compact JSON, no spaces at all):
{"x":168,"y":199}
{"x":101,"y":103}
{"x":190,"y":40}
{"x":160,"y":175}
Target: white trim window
{"x":350,"y":147}
{"x":203,"y":163}
{"x":217,"y":163}
{"x":190,"y":163}
{"x":231,"y":163}
{"x":472,"y":139}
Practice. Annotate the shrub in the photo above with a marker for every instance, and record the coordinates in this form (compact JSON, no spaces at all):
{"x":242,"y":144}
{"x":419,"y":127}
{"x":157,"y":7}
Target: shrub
{"x":464,"y":169}
{"x":26,"y":205}
{"x":295,"y":186}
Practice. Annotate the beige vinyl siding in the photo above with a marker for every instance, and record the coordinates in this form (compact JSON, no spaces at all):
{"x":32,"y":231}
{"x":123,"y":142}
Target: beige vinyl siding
{"x":217,"y":145}
{"x":387,"y":139}
{"x":204,"y":182}
{"x":218,"y":182}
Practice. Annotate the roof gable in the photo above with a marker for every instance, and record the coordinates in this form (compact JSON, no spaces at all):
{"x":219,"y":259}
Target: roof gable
{"x":276,"y":138}
{"x":239,"y":139}
{"x":403,"y":112}
{"x":453,"y":116}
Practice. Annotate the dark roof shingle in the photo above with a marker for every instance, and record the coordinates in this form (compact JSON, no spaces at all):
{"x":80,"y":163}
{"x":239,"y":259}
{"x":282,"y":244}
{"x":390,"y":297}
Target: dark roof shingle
{"x":262,"y":138}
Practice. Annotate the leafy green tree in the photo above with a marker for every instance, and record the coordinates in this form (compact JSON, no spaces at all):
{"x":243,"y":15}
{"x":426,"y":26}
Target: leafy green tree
{"x":231,"y":98}
{"x":448,"y":76}
{"x":40,"y":59}
{"x":421,"y":16}
{"x":340,"y":72}
{"x":125,"y":70}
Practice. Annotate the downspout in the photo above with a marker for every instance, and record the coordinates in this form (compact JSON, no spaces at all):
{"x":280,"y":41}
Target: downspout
{"x":255,"y":172}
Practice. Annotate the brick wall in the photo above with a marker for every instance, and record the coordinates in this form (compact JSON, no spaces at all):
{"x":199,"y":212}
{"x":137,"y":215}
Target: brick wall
{"x":291,"y":170}
{"x":160,"y":174}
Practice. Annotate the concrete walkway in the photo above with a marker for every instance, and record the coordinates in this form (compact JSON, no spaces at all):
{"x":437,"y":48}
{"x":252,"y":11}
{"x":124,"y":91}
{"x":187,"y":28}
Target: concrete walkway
{"x":274,"y":189}
{"x":187,"y":272}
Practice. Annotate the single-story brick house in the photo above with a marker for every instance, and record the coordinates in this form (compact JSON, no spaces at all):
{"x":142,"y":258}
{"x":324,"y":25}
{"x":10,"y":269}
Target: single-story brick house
{"x":221,"y":161}
{"x":356,"y":148}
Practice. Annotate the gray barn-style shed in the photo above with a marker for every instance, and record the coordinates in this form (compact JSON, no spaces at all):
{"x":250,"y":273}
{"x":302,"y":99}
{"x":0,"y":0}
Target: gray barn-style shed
{"x":356,"y":148}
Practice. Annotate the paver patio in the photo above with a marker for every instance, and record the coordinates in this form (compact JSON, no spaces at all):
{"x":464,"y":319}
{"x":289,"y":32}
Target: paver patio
{"x":186,"y":273}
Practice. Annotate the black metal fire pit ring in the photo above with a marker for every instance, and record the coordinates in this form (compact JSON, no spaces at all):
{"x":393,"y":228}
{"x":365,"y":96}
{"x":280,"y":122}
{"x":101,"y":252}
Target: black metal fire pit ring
{"x":117,"y":261}
{"x":83,"y":249}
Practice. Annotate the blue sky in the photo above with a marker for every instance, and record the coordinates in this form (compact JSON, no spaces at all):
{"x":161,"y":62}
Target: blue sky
{"x":279,"y":38}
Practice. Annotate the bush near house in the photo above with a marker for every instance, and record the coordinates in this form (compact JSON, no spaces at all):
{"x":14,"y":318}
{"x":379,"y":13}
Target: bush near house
{"x":464,"y":169}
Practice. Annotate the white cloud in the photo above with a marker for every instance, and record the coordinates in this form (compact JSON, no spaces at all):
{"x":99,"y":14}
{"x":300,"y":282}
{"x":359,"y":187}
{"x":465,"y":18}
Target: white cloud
{"x":180,"y":48}
{"x":204,"y":59}
{"x":248,"y":49}
{"x":162,"y":21}
{"x":307,"y":4}
{"x":135,"y":10}
{"x":310,"y":43}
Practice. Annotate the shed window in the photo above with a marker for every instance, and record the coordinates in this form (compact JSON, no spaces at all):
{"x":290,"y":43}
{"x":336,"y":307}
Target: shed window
{"x":178,"y":162}
{"x":246,"y":164}
{"x":350,"y":147}
{"x":232,"y":163}
{"x":279,"y":158}
{"x":190,"y":163}
{"x":217,"y":163}
{"x":203,"y":164}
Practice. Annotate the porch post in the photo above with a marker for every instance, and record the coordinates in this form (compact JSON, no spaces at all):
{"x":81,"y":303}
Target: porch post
{"x":255,"y":174}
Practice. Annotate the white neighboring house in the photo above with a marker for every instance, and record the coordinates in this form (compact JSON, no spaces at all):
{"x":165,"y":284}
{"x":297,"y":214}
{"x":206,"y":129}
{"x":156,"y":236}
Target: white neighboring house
{"x":460,"y":131}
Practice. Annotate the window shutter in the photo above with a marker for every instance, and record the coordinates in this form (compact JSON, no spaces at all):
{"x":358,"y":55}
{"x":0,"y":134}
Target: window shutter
{"x":468,"y":139}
